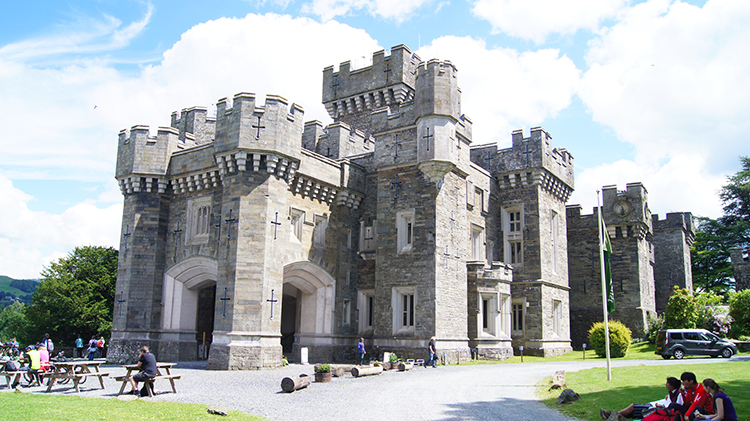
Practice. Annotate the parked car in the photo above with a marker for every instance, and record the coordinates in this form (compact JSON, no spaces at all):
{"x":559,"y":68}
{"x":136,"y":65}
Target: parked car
{"x":680,"y":342}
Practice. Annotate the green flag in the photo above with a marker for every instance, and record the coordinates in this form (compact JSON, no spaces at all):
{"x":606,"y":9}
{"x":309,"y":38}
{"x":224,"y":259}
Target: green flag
{"x":608,"y":269}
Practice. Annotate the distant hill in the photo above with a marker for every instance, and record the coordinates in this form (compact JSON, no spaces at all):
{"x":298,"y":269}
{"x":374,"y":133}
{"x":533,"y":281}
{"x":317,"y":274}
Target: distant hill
{"x":16,"y":289}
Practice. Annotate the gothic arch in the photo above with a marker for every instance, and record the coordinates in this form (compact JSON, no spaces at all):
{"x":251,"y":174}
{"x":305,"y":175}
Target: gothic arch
{"x":180,"y":291}
{"x":315,"y":294}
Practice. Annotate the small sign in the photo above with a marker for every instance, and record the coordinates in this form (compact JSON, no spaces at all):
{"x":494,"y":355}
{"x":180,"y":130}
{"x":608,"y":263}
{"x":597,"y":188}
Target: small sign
{"x":303,"y":356}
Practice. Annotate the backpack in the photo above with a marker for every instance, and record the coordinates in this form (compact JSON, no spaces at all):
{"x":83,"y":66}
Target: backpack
{"x":50,"y":345}
{"x":668,"y":414}
{"x":11,"y":366}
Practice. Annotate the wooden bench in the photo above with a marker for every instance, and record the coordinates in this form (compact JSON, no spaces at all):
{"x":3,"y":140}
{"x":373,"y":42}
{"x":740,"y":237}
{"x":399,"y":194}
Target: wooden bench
{"x":16,"y":375}
{"x":150,"y":382}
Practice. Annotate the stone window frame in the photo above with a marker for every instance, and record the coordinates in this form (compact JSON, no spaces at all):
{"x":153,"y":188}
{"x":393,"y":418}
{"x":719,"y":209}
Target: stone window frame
{"x":320,"y":226}
{"x":366,"y":310}
{"x":199,"y":220}
{"x":405,"y":230}
{"x":489,"y":319}
{"x":404,"y":304}
{"x":349,"y":238}
{"x":557,"y":317}
{"x":518,"y":316}
{"x":368,"y":236}
{"x":479,"y":199}
{"x":513,"y":223}
{"x":297,"y":223}
{"x":555,"y":239}
{"x":346,"y":312}
{"x":478,"y":250}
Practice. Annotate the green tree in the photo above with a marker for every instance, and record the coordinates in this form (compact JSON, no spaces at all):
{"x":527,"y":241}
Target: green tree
{"x":13,"y":323}
{"x":712,"y":270}
{"x":739,"y":309}
{"x":711,"y":267}
{"x":76,"y":296}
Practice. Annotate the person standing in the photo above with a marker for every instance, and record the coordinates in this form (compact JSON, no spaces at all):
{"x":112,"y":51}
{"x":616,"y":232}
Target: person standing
{"x":92,"y":348}
{"x":100,"y":347}
{"x":722,"y":404}
{"x":361,"y":350}
{"x":47,"y":342}
{"x":147,"y":370}
{"x":79,"y":347}
{"x":433,"y":353}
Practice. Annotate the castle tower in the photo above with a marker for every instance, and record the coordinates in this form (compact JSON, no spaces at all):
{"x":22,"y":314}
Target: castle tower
{"x":534,"y":181}
{"x":629,"y":225}
{"x":741,"y":268}
{"x":671,"y":242}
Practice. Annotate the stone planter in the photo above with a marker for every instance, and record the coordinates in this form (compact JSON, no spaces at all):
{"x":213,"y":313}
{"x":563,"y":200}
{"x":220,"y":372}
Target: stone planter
{"x":323,"y":377}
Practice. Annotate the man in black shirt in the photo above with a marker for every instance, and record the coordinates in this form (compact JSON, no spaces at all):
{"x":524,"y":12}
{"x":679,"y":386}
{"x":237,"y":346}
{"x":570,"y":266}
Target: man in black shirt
{"x":147,"y":367}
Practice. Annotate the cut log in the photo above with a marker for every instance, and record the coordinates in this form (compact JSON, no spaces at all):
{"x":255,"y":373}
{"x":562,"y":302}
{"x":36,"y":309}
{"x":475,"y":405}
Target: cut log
{"x":366,"y":371}
{"x":338,"y":371}
{"x":405,"y":366}
{"x":290,"y":384}
{"x":558,"y":380}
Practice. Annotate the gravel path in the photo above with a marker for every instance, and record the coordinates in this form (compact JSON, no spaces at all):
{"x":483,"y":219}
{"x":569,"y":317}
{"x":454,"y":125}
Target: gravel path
{"x":487,"y":392}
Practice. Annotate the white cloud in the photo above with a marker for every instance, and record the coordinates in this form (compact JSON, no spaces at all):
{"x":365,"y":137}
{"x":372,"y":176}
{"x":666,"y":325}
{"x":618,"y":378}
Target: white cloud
{"x":669,"y":79}
{"x":538,"y":19}
{"x":503,"y":89}
{"x":62,"y":123}
{"x":682,"y":185}
{"x":86,"y":36}
{"x":30,"y":239}
{"x":397,"y":10}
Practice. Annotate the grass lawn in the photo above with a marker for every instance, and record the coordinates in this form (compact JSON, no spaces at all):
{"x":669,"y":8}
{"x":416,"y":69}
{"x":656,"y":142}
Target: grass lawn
{"x":26,"y":406}
{"x":643,"y":384}
{"x":639,"y":351}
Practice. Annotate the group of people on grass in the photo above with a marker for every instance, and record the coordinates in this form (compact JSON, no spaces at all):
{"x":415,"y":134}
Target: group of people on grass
{"x":686,"y":398}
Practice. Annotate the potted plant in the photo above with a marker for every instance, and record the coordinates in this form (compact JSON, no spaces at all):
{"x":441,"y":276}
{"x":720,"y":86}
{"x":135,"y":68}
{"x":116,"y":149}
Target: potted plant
{"x":323,"y":373}
{"x":393,"y":360}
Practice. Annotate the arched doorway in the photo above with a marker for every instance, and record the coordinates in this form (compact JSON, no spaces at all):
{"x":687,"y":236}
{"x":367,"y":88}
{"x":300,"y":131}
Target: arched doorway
{"x":307,"y":307}
{"x":189,"y":293}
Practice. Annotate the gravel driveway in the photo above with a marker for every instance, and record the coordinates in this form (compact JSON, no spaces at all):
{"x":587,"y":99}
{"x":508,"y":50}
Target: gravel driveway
{"x":487,"y":392}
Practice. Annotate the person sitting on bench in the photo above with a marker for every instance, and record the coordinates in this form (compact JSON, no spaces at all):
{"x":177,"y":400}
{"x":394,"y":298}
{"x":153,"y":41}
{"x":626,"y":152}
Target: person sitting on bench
{"x":147,"y":367}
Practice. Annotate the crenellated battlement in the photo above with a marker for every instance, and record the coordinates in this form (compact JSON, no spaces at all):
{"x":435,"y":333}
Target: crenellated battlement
{"x":274,"y":125}
{"x":389,"y":81}
{"x":194,"y":125}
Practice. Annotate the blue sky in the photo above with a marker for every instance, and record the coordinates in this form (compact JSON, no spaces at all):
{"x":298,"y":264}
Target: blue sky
{"x":653,"y":91}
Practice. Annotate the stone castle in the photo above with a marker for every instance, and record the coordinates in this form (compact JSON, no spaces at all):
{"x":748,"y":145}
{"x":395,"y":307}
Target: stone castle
{"x":260,"y":234}
{"x":740,"y":268}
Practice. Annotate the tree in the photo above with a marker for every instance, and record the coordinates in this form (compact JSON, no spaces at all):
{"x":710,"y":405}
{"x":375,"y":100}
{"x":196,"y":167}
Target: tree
{"x":76,"y":296}
{"x":711,"y":267}
{"x":712,"y":270}
{"x":13,"y":323}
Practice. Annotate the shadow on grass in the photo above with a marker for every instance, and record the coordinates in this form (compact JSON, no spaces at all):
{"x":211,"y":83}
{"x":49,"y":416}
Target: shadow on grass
{"x":619,"y":397}
{"x":503,"y":409}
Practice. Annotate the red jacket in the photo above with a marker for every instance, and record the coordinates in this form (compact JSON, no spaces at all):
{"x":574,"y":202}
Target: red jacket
{"x":698,"y":397}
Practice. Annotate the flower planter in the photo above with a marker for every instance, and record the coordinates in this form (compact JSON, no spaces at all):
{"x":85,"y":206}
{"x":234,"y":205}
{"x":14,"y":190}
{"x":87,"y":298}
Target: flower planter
{"x":323,"y":377}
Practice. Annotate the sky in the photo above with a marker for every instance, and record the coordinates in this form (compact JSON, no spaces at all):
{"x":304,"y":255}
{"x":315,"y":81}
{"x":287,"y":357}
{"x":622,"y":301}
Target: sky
{"x":653,"y":91}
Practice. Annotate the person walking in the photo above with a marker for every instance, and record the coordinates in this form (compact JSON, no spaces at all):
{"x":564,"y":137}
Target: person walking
{"x":92,"y":348}
{"x":433,"y":353}
{"x":79,"y":348}
{"x":361,"y":350}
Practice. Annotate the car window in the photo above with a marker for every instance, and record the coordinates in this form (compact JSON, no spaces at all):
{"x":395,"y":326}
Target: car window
{"x":693,"y":336}
{"x":709,"y":336}
{"x":675,"y":336}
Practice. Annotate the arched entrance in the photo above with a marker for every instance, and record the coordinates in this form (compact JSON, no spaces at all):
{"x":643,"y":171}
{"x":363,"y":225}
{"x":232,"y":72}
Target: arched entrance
{"x":188,"y":313}
{"x":307,"y":307}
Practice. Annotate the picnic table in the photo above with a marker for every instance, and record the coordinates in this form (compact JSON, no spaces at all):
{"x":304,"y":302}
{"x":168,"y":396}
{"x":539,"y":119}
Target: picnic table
{"x":76,"y":371}
{"x":163,"y":371}
{"x":14,"y":375}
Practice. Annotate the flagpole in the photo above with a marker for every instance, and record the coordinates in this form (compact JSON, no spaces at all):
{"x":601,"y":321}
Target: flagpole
{"x":604,"y":287}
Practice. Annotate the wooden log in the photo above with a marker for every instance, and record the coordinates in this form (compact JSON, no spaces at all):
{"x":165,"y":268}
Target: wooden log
{"x":402,"y":366}
{"x":338,"y":371}
{"x":366,"y":371}
{"x":558,"y":380}
{"x":290,"y":384}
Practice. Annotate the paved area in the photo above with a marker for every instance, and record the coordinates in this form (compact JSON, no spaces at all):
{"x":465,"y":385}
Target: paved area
{"x":487,"y":392}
